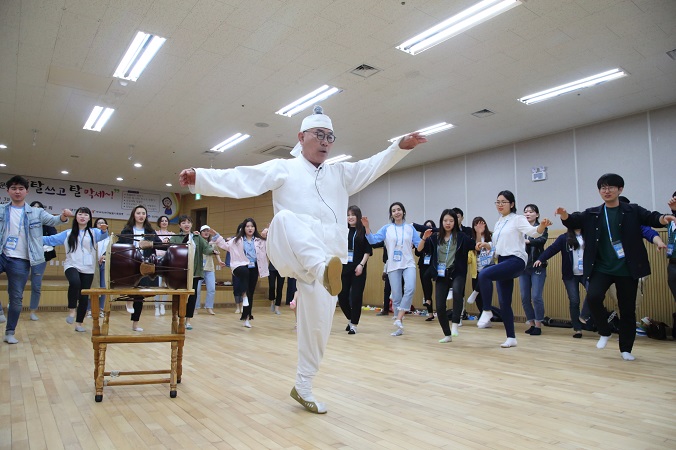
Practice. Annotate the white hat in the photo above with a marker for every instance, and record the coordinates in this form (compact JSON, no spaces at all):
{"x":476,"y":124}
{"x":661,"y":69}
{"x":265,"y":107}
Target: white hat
{"x":316,"y":120}
{"x":205,"y":227}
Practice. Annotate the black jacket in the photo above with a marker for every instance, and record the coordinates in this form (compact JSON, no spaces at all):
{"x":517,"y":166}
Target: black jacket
{"x":632,"y":216}
{"x":463,"y":246}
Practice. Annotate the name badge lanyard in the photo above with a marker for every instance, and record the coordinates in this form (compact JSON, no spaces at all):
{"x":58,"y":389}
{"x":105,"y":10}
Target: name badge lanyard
{"x":499,"y":233}
{"x":13,"y":240}
{"x":398,"y":254}
{"x":86,"y":255}
{"x":441,"y":268}
{"x":350,"y":251}
{"x":617,"y":245}
{"x":250,"y":252}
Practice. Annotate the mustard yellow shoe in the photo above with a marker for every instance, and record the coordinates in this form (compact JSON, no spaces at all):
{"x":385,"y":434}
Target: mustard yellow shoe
{"x":313,"y":407}
{"x":332,"y":276}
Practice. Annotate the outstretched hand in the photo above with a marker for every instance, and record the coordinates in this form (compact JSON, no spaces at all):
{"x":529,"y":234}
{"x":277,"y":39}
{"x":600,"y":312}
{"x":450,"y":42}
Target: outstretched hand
{"x":561,"y":211}
{"x":365,"y":222}
{"x":410,"y":141}
{"x":187,"y":177}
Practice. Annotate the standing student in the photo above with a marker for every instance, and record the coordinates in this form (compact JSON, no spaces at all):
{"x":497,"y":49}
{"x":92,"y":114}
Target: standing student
{"x":201,"y":247}
{"x":139,"y":232}
{"x":21,"y":246}
{"x":275,"y":288}
{"x":38,"y":270}
{"x":400,"y":238}
{"x":101,"y":224}
{"x":532,"y":280}
{"x":424,"y":259}
{"x":614,"y":253}
{"x":671,"y":249}
{"x":248,"y":261}
{"x":478,"y":258}
{"x":81,"y":259}
{"x":353,"y":277}
{"x":448,"y":247}
{"x":307,"y":240}
{"x":209,"y":273}
{"x":163,"y":233}
{"x":571,"y":246}
{"x":509,"y":243}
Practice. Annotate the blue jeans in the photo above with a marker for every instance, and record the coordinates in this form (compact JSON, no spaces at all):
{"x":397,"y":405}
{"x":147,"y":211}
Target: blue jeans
{"x":210,"y":282}
{"x":532,"y":283}
{"x":17,"y":271}
{"x":402,"y":300}
{"x":503,"y":273}
{"x":573,"y":290}
{"x":37,"y":272}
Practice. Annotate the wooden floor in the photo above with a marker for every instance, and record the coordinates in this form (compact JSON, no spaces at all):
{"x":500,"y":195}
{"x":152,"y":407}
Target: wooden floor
{"x":552,"y":391}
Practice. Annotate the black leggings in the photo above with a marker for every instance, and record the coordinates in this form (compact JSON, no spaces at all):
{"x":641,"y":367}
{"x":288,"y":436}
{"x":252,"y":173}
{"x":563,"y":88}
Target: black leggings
{"x":426,"y":283}
{"x":443,"y":285}
{"x":475,"y":286}
{"x":78,"y":281}
{"x":276,"y":283}
{"x":351,"y":297}
{"x":248,"y":279}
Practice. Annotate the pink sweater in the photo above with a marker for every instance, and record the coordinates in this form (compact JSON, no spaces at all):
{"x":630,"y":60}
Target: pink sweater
{"x":238,"y":258}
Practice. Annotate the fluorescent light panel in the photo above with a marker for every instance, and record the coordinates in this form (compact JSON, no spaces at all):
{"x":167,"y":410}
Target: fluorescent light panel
{"x":464,"y":20}
{"x":98,"y":118}
{"x":230,"y":142}
{"x":338,"y":158}
{"x":306,"y":101}
{"x":573,"y":86}
{"x":139,"y":54}
{"x":434,"y":129}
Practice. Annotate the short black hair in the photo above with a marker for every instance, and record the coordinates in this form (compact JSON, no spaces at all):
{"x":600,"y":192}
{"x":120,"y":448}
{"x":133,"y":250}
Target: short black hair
{"x":610,"y":179}
{"x":184,"y":217}
{"x":458,"y":211}
{"x":17,"y":179}
{"x":510,"y":198}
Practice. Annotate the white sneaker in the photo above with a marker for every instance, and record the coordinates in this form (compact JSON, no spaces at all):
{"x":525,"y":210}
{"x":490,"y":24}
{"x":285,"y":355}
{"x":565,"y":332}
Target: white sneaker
{"x":157,"y":311}
{"x":89,"y":314}
{"x":472,"y":297}
{"x":398,"y":332}
{"x":628,"y":356}
{"x":102,"y":314}
{"x":33,"y":316}
{"x":485,"y":320}
{"x":510,"y":342}
{"x":247,"y":324}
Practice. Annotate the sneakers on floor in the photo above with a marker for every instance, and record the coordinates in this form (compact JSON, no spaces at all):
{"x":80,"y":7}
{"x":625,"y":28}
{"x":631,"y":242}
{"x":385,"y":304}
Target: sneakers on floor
{"x":312,"y":406}
{"x":247,"y":324}
{"x":628,"y":356}
{"x":188,"y":326}
{"x":10,"y":339}
{"x":537,"y":331}
{"x":510,"y":342}
{"x":89,"y":314}
{"x":70,"y":319}
{"x":80,"y":328}
{"x":136,"y":329}
{"x":102,"y":314}
{"x":399,"y":332}
{"x":157,"y":311}
{"x":34,"y":317}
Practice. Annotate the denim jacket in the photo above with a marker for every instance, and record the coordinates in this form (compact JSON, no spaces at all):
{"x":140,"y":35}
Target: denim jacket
{"x":34,"y":219}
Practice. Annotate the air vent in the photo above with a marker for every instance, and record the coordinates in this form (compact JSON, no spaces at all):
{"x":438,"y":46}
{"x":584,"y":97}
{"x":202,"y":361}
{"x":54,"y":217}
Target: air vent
{"x":277,"y":151}
{"x":483,"y":113}
{"x":365,"y":71}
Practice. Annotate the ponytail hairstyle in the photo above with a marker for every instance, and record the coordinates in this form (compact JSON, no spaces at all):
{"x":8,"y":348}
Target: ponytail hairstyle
{"x":75,"y":230}
{"x":360,"y":230}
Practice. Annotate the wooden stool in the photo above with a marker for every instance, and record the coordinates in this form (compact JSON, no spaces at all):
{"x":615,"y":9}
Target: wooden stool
{"x":101,"y":339}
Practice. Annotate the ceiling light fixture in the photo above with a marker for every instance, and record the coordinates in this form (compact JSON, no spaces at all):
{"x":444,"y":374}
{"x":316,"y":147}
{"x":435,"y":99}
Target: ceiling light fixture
{"x":338,"y":158}
{"x":573,"y":86}
{"x":429,"y":130}
{"x":138,"y":165}
{"x":119,"y":179}
{"x":3,"y":146}
{"x":139,"y":54}
{"x":65,"y":172}
{"x":3,"y":165}
{"x":306,"y":101}
{"x":230,"y":142}
{"x":464,"y":20}
{"x":169,"y":184}
{"x":97,"y":119}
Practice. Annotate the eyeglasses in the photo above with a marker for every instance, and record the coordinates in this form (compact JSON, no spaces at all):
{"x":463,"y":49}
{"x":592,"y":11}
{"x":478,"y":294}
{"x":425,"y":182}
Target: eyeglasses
{"x":498,"y":203}
{"x":608,"y":188}
{"x":330,"y":138}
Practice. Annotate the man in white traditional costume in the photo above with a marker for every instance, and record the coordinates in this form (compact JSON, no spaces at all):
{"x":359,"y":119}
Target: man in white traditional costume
{"x":307,"y":236}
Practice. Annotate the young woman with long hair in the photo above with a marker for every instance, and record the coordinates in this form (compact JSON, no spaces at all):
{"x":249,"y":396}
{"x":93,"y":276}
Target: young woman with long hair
{"x":532,"y":280}
{"x":510,"y":247}
{"x":353,"y":277}
{"x":101,"y":224}
{"x":448,"y":248}
{"x":400,"y":238}
{"x":163,"y":232}
{"x":38,"y":270}
{"x":136,"y":230}
{"x":478,"y":258}
{"x":424,"y":259}
{"x":80,"y":264}
{"x":248,"y":261}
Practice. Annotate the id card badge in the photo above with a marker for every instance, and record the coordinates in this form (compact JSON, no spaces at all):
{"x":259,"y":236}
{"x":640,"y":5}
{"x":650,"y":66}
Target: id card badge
{"x":441,"y":270}
{"x":670,"y":249}
{"x":350,"y":255}
{"x":617,"y":245}
{"x":12,"y":242}
{"x":88,"y":259}
{"x":397,"y":256}
{"x":579,"y":265}
{"x":427,"y":260}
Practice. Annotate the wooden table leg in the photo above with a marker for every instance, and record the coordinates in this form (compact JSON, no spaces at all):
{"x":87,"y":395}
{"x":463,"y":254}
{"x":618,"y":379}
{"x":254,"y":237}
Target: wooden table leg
{"x":101,"y":371}
{"x":174,"y":369}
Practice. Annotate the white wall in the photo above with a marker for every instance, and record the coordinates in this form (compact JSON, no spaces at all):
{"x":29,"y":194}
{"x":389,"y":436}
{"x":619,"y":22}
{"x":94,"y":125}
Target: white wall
{"x":641,"y":148}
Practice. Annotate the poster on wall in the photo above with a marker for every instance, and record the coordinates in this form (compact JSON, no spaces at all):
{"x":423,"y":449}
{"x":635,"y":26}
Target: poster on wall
{"x":110,"y":202}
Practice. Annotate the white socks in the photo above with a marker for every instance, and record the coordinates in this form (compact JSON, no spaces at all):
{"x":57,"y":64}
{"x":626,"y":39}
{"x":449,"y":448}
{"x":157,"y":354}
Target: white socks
{"x":603,"y":340}
{"x":472,"y":297}
{"x":510,"y":342}
{"x":485,"y":319}
{"x":245,"y":301}
{"x":445,"y":340}
{"x":454,"y":329}
{"x":627,"y":356}
{"x":450,"y":294}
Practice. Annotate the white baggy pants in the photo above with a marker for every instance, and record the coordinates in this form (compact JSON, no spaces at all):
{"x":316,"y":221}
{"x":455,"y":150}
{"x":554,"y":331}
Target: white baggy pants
{"x":295,"y":245}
